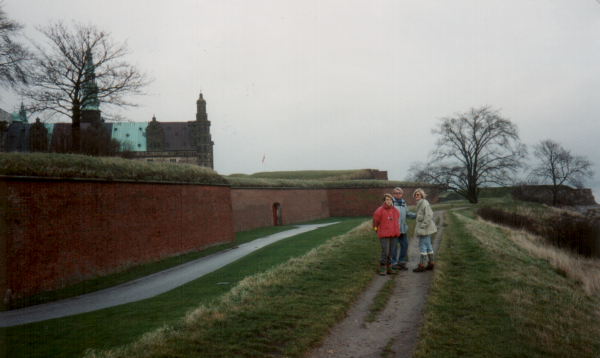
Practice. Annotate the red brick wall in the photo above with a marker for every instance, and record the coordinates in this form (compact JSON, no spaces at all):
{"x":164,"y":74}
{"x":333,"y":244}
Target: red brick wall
{"x":61,"y":232}
{"x":364,"y":201}
{"x":253,"y":208}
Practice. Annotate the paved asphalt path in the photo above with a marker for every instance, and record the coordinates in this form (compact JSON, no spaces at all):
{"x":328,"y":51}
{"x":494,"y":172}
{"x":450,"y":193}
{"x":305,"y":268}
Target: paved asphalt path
{"x":145,"y":287}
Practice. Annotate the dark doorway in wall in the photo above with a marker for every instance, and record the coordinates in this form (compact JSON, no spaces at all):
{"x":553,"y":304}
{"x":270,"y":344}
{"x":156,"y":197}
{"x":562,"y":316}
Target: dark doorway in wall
{"x":277,"y":214}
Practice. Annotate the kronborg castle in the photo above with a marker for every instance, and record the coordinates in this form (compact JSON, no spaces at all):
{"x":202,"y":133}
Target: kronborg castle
{"x":175,"y":142}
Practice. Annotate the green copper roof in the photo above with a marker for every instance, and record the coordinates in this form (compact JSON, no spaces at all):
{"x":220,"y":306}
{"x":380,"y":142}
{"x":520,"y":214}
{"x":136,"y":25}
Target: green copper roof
{"x":132,"y":132}
{"x":20,"y":117}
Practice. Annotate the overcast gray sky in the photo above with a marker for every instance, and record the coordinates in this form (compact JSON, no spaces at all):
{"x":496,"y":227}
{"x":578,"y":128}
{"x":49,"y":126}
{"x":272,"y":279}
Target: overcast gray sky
{"x":352,"y":84}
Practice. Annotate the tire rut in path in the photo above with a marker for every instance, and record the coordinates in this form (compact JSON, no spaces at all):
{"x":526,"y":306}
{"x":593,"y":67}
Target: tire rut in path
{"x":400,"y":319}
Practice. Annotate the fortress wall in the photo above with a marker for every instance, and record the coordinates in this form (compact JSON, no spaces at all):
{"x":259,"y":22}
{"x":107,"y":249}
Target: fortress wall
{"x":58,"y":232}
{"x":364,"y":201}
{"x":253,"y":207}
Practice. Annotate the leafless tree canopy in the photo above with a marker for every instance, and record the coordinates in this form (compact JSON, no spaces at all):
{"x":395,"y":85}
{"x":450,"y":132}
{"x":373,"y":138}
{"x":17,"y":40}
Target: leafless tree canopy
{"x":59,"y":74}
{"x":14,"y":58}
{"x":558,"y":167}
{"x":474,"y":149}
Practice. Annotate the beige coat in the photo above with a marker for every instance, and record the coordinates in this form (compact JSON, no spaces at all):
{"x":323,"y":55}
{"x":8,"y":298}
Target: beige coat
{"x":425,"y":225}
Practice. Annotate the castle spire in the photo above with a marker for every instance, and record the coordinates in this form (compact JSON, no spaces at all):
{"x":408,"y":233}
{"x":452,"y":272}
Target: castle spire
{"x":23,"y":113}
{"x":90,"y":89}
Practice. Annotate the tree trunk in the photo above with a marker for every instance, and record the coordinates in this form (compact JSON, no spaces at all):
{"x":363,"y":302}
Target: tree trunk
{"x":76,"y":128}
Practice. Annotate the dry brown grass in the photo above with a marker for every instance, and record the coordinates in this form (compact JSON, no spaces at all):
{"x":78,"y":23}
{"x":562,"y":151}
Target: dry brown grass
{"x":585,"y":271}
{"x":556,"y":306}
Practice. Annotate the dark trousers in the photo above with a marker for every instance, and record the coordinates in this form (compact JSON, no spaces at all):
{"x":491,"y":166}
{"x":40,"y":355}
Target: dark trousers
{"x":387,"y":247}
{"x":400,"y":256}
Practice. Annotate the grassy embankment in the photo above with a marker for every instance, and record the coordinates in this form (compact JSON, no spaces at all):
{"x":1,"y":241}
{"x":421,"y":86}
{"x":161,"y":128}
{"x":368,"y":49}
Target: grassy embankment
{"x":348,"y":262}
{"x":495,"y":292}
{"x":316,"y":179}
{"x":498,"y":292}
{"x":71,"y":166}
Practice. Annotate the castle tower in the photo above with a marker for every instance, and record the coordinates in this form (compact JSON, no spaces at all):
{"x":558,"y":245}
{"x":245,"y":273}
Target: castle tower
{"x":200,"y":135}
{"x":38,"y":137}
{"x":155,"y":136}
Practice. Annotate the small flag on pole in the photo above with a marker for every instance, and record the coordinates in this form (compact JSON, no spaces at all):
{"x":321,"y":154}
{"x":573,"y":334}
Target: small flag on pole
{"x":263,"y":161}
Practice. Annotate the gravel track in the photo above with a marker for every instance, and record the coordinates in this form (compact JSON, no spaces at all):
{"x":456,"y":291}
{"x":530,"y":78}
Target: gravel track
{"x":400,"y":320}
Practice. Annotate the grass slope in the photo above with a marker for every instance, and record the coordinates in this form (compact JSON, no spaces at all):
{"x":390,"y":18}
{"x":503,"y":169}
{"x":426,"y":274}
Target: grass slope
{"x":118,"y":326}
{"x":492,"y":298}
{"x":109,"y":168}
{"x":306,"y":174}
{"x":281,"y":312}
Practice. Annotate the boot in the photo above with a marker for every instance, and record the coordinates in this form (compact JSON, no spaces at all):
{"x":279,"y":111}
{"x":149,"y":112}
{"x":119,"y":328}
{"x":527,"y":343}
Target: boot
{"x":390,"y":270}
{"x":421,"y":267}
{"x":431,"y":263}
{"x":382,"y":270}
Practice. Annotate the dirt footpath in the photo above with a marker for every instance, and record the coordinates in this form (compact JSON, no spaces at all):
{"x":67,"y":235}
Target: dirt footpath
{"x":400,"y":320}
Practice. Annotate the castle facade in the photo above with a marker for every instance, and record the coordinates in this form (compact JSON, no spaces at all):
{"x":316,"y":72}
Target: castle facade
{"x":173,"y":142}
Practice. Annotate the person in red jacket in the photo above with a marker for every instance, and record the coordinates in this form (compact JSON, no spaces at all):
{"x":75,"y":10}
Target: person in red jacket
{"x":385,"y":223}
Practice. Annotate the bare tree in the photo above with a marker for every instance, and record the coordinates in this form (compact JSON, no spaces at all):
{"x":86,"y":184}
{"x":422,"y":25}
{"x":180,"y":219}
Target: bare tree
{"x":475,"y":149}
{"x":14,"y":58}
{"x":558,"y":167}
{"x":79,"y":68}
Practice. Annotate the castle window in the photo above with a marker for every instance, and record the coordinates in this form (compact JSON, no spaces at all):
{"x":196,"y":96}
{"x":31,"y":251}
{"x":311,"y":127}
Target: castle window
{"x":139,"y":145}
{"x":127,"y":135}
{"x":115,"y":129}
{"x":173,"y":160}
{"x":140,"y":128}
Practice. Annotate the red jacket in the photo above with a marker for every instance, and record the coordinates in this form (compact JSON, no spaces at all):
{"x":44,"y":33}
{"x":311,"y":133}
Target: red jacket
{"x":385,"y":219}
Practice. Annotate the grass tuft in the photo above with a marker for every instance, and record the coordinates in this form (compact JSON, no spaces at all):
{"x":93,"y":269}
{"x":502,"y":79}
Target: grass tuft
{"x":380,"y":300}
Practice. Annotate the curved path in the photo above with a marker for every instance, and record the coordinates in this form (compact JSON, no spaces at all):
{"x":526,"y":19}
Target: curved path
{"x":145,"y":287}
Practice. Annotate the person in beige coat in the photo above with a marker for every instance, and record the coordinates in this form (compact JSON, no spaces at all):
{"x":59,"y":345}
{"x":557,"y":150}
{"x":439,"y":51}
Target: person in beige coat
{"x":424,"y":228}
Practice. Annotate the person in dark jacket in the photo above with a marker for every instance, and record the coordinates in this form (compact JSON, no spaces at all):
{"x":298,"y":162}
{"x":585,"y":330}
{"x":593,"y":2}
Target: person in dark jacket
{"x":399,"y":256}
{"x":385,"y":223}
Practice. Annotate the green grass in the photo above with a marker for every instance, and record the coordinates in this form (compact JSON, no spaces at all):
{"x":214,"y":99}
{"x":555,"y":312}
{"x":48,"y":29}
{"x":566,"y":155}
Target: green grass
{"x":249,"y":182}
{"x":490,"y":298}
{"x":387,"y":350}
{"x":132,"y":273}
{"x":71,"y":166}
{"x":380,"y":300}
{"x":117,"y":326}
{"x":306,"y":174}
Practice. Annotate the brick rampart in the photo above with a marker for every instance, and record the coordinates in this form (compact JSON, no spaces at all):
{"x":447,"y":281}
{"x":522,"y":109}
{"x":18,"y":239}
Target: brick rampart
{"x":253,"y":208}
{"x":364,"y":201}
{"x":57,"y":232}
